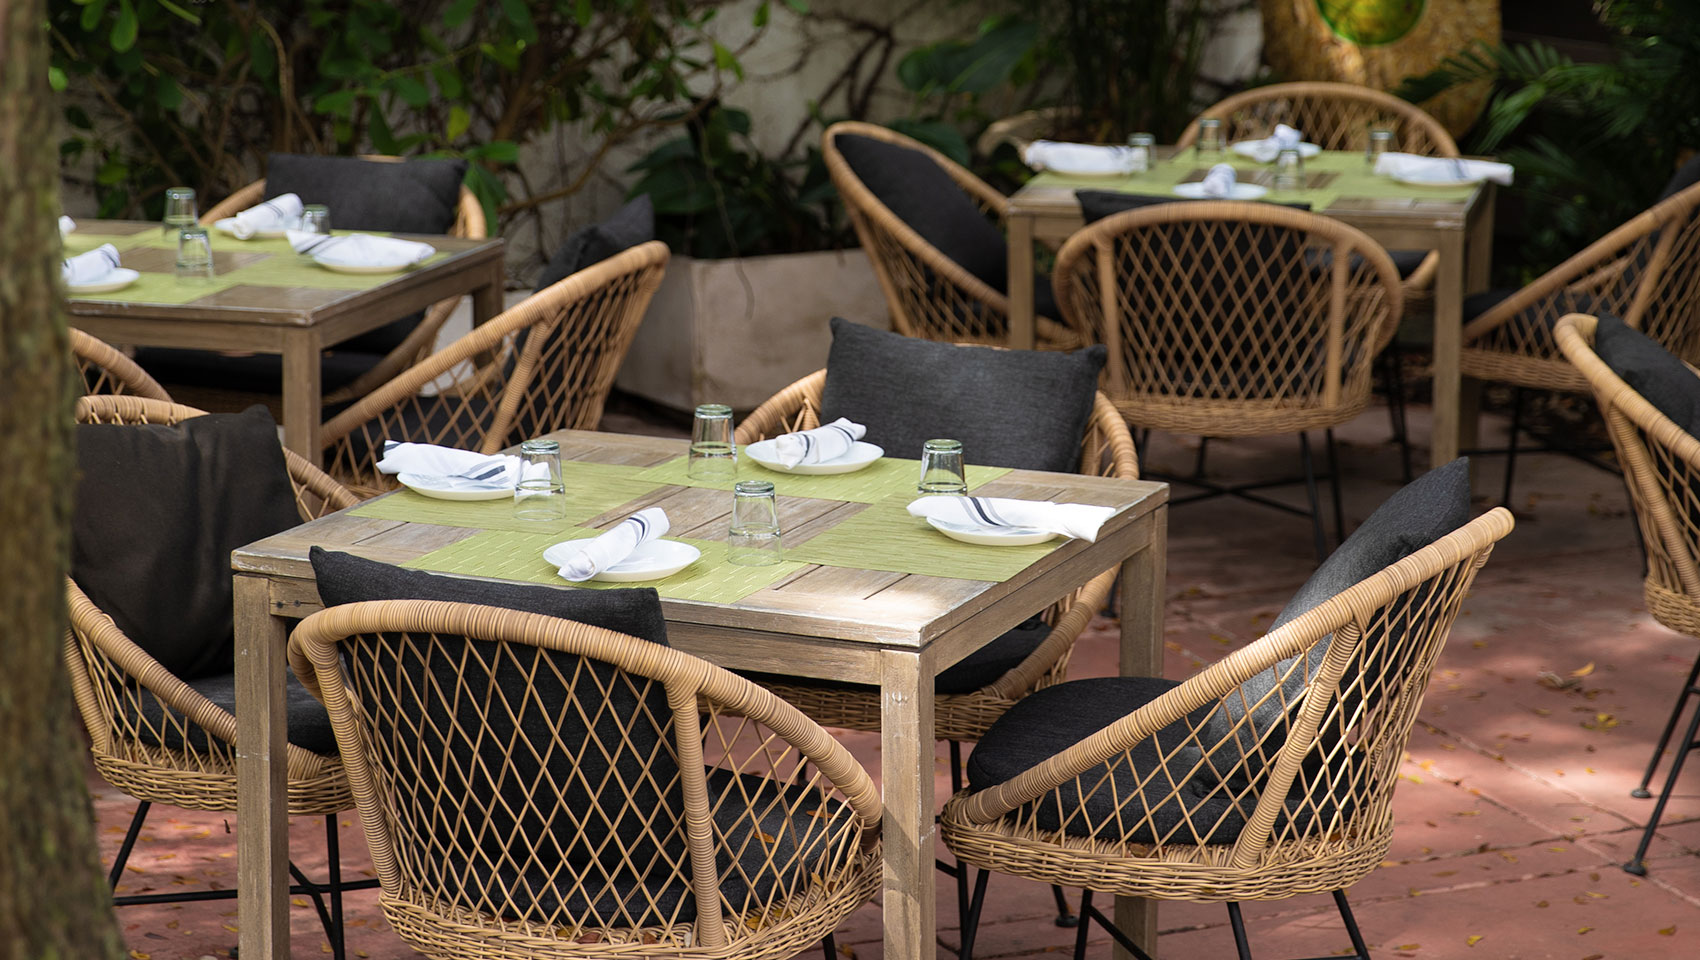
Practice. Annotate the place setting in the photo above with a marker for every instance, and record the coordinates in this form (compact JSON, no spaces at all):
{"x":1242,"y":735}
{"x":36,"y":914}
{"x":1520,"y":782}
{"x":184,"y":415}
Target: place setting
{"x":101,"y":270}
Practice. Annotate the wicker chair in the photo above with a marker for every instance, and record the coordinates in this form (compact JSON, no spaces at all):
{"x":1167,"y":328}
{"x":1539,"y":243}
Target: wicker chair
{"x":1220,"y":323}
{"x":133,"y":707}
{"x":1312,"y":811}
{"x":929,"y":295}
{"x":545,"y":364}
{"x":1661,"y":463}
{"x":469,"y":224}
{"x":528,"y":855}
{"x":107,"y":371}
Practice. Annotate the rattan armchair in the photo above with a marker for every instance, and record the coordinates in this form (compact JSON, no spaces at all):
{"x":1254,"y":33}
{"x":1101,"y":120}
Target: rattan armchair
{"x":1661,"y":465}
{"x":1219,"y":322}
{"x":547,"y":363}
{"x":929,"y":295}
{"x":157,"y":739}
{"x":1302,"y":805}
{"x":658,"y":806}
{"x":107,"y":371}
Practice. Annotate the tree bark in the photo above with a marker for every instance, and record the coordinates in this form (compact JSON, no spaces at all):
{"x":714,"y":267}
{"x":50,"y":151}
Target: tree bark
{"x":54,"y":904}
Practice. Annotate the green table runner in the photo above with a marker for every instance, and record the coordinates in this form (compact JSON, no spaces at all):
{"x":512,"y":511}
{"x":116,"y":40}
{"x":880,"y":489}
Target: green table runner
{"x":1352,"y":178}
{"x":592,"y":489}
{"x":887,"y":477}
{"x":885,"y":537}
{"x":509,"y":555}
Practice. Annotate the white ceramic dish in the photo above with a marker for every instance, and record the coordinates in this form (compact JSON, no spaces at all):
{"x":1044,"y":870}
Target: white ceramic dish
{"x":343,"y":267}
{"x":1439,"y":179}
{"x":118,"y":279}
{"x":1248,"y":149}
{"x":436,"y":488}
{"x":991,"y":536}
{"x":228,"y":226}
{"x":1241,"y":191}
{"x":860,"y":456}
{"x":651,"y":561}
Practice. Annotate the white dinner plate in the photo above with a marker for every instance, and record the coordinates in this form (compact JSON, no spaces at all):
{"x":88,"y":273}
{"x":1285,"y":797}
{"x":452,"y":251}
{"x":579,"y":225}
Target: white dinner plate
{"x":1439,"y":179}
{"x":228,"y":224}
{"x":1241,"y":191}
{"x":342,"y":267}
{"x":651,"y":561}
{"x":991,"y":536}
{"x":118,"y":279}
{"x":1248,"y":149}
{"x":438,"y":488}
{"x":860,"y":456}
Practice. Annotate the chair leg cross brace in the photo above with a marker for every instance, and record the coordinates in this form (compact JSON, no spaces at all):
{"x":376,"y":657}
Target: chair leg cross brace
{"x":1636,"y":864}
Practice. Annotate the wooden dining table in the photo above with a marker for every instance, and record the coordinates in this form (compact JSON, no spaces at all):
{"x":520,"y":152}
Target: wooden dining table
{"x":864,"y":593}
{"x":265,"y":298}
{"x":1454,"y":221}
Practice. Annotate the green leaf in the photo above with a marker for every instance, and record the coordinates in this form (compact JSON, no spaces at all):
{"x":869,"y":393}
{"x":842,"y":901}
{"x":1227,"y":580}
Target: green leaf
{"x":459,"y":12}
{"x":111,"y":172}
{"x":724,"y":59}
{"x":761,"y":15}
{"x":92,"y":14}
{"x":582,"y":12}
{"x":797,"y":6}
{"x":124,"y":30}
{"x":378,"y":128}
{"x":415,"y":93}
{"x":180,"y":12}
{"x":519,"y":15}
{"x":459,"y":120}
{"x":337,"y":103}
{"x":487,"y":187}
{"x":448,"y":82}
{"x":262,"y":54}
{"x":496,"y":151}
{"x":941,"y":136}
{"x":56,"y":79}
{"x":167,"y":93}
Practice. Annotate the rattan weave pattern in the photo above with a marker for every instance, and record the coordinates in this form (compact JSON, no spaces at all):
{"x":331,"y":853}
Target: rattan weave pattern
{"x":1335,"y":116}
{"x":104,"y":370}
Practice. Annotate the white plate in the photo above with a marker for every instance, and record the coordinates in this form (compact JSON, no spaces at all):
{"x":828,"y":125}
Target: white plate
{"x":118,"y":279}
{"x":1248,"y":149}
{"x":991,"y":536}
{"x":228,"y":224}
{"x":340,"y":267}
{"x":432,"y":486}
{"x":860,"y":456}
{"x":651,"y":561}
{"x":1441,"y":180}
{"x":1241,"y":191}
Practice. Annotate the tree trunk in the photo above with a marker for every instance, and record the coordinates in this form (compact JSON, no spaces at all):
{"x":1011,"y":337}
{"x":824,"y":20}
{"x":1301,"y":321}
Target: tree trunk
{"x":53,"y":899}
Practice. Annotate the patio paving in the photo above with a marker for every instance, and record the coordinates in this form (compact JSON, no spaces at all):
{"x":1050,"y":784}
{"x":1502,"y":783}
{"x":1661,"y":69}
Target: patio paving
{"x":1513,"y":812}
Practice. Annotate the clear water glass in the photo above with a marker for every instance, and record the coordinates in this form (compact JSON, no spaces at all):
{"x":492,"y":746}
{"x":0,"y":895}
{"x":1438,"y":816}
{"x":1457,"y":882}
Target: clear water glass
{"x":180,"y":211}
{"x":194,"y":255}
{"x":1289,"y":170}
{"x":1144,"y":151}
{"x":714,"y":455}
{"x":941,"y":469}
{"x":753,"y":540}
{"x":1210,"y":144}
{"x":540,"y":494}
{"x":1380,"y":142}
{"x":316,"y":218}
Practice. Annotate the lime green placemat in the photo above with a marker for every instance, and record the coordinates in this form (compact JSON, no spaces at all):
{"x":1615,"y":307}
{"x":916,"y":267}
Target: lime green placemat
{"x":888,"y":476}
{"x":162,"y":288}
{"x":80,"y":242}
{"x":1352,"y":178}
{"x":281,"y":267}
{"x":886,"y":537}
{"x":509,"y":555}
{"x":592,"y":489}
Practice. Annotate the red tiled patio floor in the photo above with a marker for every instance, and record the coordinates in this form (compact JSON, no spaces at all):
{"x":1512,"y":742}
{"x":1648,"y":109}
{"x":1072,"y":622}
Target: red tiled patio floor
{"x":1513,"y":817}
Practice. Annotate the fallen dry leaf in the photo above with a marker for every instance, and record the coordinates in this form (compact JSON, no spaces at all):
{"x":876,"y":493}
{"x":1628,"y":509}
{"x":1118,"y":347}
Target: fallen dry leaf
{"x":1583,"y":670}
{"x":1472,"y":940}
{"x":1409,"y":947}
{"x":1582,"y":930}
{"x":1669,"y":931}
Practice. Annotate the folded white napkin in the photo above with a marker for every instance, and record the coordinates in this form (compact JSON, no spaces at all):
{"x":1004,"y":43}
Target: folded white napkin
{"x":89,"y":267}
{"x":359,"y":249}
{"x":278,"y":213}
{"x":600,"y":553}
{"x":1270,"y":147}
{"x":1078,"y":520}
{"x":818,"y":445}
{"x":1409,"y":165}
{"x":66,"y":226}
{"x":1219,"y":181}
{"x":458,"y":469}
{"x":1086,"y":158}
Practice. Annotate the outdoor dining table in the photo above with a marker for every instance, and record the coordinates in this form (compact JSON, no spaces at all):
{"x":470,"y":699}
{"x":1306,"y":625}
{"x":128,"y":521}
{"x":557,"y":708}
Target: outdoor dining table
{"x":265,"y":298}
{"x":1456,"y":221}
{"x":864,"y":593}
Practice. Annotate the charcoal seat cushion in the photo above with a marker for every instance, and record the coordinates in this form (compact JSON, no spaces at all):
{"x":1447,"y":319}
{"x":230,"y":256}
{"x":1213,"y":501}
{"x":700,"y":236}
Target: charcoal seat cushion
{"x":976,"y":671}
{"x":1025,"y":409}
{"x":309,"y":724}
{"x":631,"y":225}
{"x":159,"y":510}
{"x":1652,"y":371}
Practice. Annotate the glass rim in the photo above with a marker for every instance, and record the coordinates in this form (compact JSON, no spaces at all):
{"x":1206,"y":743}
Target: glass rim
{"x":941,"y":445}
{"x":191,"y":233}
{"x":179,"y":191}
{"x":713,"y":410}
{"x":753,"y":488}
{"x":540,"y":446}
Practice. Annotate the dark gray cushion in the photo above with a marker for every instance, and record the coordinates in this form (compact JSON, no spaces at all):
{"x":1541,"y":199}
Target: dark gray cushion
{"x":1025,"y":409}
{"x":1652,"y":371}
{"x":1686,"y":176}
{"x":158,"y":511}
{"x":414,"y":196}
{"x":309,"y":724}
{"x":631,"y":225}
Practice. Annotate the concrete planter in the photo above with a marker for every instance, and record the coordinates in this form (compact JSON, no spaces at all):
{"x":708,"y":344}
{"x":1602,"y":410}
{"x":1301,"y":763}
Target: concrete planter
{"x":738,"y":331}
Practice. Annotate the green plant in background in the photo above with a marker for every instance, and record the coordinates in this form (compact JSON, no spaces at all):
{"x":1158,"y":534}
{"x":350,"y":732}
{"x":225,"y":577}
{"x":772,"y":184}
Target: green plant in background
{"x":1593,"y":143}
{"x":952,"y":82}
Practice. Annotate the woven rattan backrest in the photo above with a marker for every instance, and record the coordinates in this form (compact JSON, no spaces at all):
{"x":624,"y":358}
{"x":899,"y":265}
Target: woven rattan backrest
{"x":106,"y":371}
{"x":1214,"y":301}
{"x":523,"y":774}
{"x":1336,"y":116}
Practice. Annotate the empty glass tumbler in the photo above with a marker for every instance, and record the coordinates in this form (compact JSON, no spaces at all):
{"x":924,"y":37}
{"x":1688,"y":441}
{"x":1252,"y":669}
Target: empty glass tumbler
{"x":753,"y":540}
{"x":1209,"y":142}
{"x":1289,"y":170}
{"x":316,"y":218}
{"x":941,"y":469}
{"x":180,"y":210}
{"x":1144,"y":151}
{"x":1380,"y":142}
{"x":540,"y":494}
{"x":714,"y":455}
{"x":194,"y":255}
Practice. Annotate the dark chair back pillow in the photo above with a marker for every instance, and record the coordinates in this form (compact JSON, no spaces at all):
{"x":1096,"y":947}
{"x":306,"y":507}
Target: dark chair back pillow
{"x":411,"y":196}
{"x":159,"y":510}
{"x":1652,"y":371}
{"x":630,"y":225}
{"x":1025,"y":409}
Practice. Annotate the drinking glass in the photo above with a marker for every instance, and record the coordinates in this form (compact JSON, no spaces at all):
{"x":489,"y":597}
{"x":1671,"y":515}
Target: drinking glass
{"x":714,"y":456}
{"x":194,"y":255}
{"x":1380,"y":142}
{"x":180,"y":212}
{"x":1289,"y":170}
{"x":1210,"y":145}
{"x":540,"y":494}
{"x":1144,"y":151}
{"x":753,"y":540}
{"x":941,"y":468}
{"x":316,"y":218}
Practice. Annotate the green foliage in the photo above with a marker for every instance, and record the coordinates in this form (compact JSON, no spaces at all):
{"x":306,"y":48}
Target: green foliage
{"x":1593,"y":143}
{"x":947,"y":81}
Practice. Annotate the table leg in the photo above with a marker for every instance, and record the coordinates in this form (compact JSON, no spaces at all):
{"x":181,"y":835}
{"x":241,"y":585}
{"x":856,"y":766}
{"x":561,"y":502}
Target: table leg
{"x":487,"y":300}
{"x":1448,"y":338}
{"x":909,"y":832}
{"x":302,"y":396}
{"x":1144,"y":586}
{"x":1021,"y":326}
{"x":262,"y":777}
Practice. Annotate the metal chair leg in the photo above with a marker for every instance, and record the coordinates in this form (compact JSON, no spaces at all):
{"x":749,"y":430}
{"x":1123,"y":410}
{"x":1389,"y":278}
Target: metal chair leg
{"x":1065,"y":917}
{"x":828,"y":948}
{"x":1640,"y":793}
{"x":1358,"y":945}
{"x":333,"y":857}
{"x":971,"y":922}
{"x":1314,"y":498}
{"x":130,"y":836}
{"x":1511,"y":447}
{"x":1636,"y":865}
{"x":1394,"y":377}
{"x":1334,"y":488}
{"x":1241,"y":944}
{"x":1085,"y":925}
{"x":1198,"y":459}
